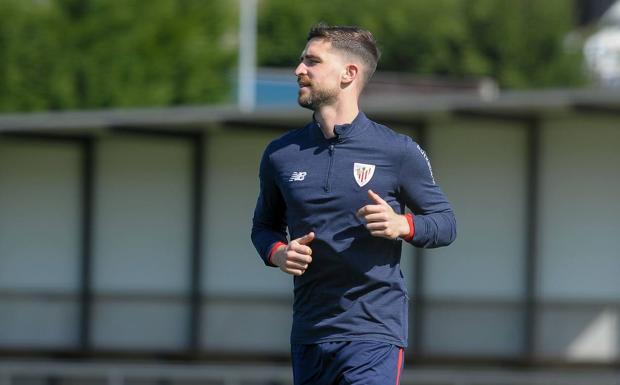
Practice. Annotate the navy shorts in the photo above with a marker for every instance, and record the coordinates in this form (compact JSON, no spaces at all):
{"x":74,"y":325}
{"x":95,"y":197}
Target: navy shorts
{"x":347,"y":363}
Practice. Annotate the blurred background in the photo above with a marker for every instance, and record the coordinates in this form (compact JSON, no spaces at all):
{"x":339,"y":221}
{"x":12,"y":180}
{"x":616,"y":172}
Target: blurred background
{"x":130,"y":137}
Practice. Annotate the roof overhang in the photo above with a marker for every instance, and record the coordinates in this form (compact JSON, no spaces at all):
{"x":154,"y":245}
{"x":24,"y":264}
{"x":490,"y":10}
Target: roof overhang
{"x":401,"y":109}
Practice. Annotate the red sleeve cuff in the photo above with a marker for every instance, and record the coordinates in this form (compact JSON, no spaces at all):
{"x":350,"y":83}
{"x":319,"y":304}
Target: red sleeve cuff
{"x":409,"y":236}
{"x":273,"y":250}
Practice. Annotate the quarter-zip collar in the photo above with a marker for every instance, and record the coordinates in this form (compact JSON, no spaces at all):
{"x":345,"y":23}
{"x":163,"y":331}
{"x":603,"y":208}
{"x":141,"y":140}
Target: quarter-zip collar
{"x":342,"y":131}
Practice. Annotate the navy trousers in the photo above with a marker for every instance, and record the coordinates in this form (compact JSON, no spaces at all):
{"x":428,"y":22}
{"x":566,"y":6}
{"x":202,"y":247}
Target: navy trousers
{"x":347,"y":363}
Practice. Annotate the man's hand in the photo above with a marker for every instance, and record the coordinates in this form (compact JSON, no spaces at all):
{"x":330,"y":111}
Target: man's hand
{"x":381,"y":220}
{"x":295,"y":257}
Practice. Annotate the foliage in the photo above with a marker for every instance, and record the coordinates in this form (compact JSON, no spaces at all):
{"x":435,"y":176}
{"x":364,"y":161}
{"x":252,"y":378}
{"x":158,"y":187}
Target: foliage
{"x":519,"y":43}
{"x":83,"y":54}
{"x":78,"y":54}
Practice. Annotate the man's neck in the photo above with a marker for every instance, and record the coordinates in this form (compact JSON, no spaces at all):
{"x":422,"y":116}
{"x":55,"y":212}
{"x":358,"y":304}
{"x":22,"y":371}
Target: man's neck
{"x":330,"y":116}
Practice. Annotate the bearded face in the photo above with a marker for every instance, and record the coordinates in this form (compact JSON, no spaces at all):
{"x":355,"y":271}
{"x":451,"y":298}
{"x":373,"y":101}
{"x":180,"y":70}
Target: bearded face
{"x":318,"y":75}
{"x":313,"y":96}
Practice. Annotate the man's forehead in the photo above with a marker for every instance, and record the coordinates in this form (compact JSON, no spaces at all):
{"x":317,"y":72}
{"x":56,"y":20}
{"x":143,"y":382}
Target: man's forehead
{"x":317,"y":46}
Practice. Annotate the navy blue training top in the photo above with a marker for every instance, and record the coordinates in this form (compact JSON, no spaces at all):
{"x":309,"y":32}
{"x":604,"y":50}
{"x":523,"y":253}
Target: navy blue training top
{"x":354,"y":288}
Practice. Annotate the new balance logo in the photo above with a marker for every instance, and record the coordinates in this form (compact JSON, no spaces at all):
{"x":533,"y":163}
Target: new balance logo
{"x":298,"y":176}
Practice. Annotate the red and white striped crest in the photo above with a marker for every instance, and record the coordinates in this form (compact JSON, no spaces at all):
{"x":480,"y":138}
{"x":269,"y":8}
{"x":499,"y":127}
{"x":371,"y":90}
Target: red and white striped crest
{"x":363,"y":173}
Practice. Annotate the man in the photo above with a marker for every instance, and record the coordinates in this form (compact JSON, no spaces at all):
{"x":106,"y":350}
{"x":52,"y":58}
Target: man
{"x":340,"y":185}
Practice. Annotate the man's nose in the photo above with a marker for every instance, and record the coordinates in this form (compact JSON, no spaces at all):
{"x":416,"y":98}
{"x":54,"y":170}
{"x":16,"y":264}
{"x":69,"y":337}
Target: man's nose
{"x":301,"y":69}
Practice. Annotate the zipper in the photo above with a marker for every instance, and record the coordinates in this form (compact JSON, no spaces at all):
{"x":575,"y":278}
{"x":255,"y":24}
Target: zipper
{"x":327,"y":186}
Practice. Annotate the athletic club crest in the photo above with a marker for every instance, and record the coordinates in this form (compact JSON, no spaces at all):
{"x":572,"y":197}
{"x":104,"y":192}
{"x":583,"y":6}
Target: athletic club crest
{"x":363,"y":173}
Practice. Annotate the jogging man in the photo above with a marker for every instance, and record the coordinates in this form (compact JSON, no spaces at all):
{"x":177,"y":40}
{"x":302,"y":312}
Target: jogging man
{"x":340,"y":185}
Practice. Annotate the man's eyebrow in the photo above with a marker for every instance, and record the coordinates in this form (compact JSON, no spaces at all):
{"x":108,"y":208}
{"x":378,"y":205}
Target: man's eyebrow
{"x":308,"y":56}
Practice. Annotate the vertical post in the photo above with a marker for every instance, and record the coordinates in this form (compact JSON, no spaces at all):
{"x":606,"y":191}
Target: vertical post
{"x":197,"y":218}
{"x":530,"y":307}
{"x":247,"y":55}
{"x":87,"y":199}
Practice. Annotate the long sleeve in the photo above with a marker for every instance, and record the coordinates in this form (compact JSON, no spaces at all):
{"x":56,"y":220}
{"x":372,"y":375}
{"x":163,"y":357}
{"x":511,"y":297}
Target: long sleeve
{"x":269,"y":223}
{"x":433,"y":217}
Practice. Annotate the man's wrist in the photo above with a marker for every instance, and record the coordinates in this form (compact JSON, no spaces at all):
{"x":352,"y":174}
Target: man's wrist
{"x":275,"y":249}
{"x":408,"y":228}
{"x":404,"y":226}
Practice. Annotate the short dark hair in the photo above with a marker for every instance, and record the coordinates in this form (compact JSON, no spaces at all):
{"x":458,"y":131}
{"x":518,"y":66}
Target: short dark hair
{"x":353,"y":40}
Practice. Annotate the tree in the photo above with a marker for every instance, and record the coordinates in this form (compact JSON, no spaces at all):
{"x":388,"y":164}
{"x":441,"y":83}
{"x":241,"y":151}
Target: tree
{"x":103,"y":53}
{"x":519,"y":43}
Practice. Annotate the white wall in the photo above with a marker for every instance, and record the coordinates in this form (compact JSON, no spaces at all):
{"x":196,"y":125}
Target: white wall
{"x":580,"y":238}
{"x":580,"y":211}
{"x":142,"y":237}
{"x":481,"y":167}
{"x":39,"y":242}
{"x":142,"y":241}
{"x":231,"y":264}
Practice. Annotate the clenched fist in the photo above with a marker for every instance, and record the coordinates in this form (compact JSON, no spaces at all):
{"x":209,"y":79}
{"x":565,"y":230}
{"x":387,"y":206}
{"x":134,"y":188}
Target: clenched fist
{"x":295,"y":257}
{"x":381,"y":220}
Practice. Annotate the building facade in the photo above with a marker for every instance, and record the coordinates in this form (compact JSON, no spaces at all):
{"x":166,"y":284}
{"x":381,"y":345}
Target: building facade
{"x":125,"y":234}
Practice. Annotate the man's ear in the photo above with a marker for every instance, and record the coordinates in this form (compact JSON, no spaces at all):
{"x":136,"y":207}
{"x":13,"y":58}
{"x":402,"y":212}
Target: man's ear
{"x":351,"y":71}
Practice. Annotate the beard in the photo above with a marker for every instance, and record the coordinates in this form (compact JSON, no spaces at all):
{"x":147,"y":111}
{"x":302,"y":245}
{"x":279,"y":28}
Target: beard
{"x":314,"y":98}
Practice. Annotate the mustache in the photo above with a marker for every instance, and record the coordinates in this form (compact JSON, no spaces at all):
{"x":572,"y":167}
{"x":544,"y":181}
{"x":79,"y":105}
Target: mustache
{"x":303,"y":81}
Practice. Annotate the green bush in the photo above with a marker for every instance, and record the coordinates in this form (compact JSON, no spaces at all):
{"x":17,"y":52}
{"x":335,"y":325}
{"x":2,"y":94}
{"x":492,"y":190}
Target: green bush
{"x":80,"y":54}
{"x":519,"y":43}
{"x":83,"y":54}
